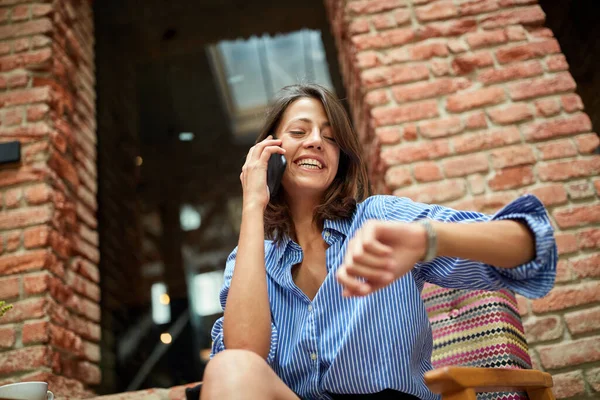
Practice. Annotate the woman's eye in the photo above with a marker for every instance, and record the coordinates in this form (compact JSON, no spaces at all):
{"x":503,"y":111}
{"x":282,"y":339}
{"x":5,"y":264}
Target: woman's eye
{"x":297,"y":132}
{"x":332,"y":140}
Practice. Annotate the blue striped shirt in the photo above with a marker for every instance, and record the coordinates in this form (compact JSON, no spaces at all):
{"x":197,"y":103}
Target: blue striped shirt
{"x":382,"y":341}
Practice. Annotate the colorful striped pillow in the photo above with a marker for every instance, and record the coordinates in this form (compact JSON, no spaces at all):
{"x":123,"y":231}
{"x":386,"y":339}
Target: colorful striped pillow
{"x":477,"y":329}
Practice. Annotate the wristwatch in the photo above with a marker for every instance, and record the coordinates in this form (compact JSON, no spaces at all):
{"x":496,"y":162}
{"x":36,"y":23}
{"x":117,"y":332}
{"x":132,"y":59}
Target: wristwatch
{"x":431,"y":251}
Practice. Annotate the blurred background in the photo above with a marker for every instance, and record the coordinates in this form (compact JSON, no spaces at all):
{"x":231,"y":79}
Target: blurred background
{"x":182,"y":89}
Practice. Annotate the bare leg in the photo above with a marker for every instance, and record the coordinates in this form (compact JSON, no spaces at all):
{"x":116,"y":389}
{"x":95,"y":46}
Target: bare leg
{"x":242,"y":375}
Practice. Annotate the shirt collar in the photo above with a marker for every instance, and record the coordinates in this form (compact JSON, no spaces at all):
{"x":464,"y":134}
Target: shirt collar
{"x":340,"y":225}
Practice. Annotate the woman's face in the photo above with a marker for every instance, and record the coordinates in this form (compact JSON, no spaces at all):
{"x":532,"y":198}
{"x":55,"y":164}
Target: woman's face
{"x":312,"y":153}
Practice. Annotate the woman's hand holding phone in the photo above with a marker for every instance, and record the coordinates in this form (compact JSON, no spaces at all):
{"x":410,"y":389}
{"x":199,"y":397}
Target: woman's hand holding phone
{"x":254,"y":173}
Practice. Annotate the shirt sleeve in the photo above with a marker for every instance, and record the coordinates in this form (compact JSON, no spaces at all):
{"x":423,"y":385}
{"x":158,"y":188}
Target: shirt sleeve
{"x":533,"y":279}
{"x":217,"y":329}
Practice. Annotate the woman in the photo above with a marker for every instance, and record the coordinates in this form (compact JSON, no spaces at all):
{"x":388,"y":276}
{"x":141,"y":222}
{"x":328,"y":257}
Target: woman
{"x":332,"y":300}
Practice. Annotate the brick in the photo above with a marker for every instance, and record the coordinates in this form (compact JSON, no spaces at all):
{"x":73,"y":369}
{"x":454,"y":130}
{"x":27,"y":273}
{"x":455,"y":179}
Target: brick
{"x":37,"y":236}
{"x":440,"y":67}
{"x":511,"y":178}
{"x":441,"y":127}
{"x":359,"y":26}
{"x":39,"y":60}
{"x":467,"y":63}
{"x":23,"y":217}
{"x":428,"y":171}
{"x":519,"y":16}
{"x":25,"y":309}
{"x":424,"y":90}
{"x":409,"y":133}
{"x":386,"y":76}
{"x":562,"y":82}
{"x":402,"y":16}
{"x":35,"y":332}
{"x":512,"y":72}
{"x":550,"y":195}
{"x":457,"y":46}
{"x":474,"y":99}
{"x":13,"y":116}
{"x":18,"y":80}
{"x":12,"y":197}
{"x":7,"y":336}
{"x":427,"y":51}
{"x":563,"y":272}
{"x":485,"y":140}
{"x":523,"y":305}
{"x":25,"y":96}
{"x":368,"y":59}
{"x":437,"y":11}
{"x":474,"y":7}
{"x":516,"y":33}
{"x":465,"y":165}
{"x":36,"y":283}
{"x":547,"y":107}
{"x":580,"y":190}
{"x":389,"y":38}
{"x":589,"y":238}
{"x":38,"y":194}
{"x":388,"y":135}
{"x":587,"y":266}
{"x":571,"y":102}
{"x":570,"y":353}
{"x":408,"y":153}
{"x":587,"y":143}
{"x":14,"y":263}
{"x":405,"y":113}
{"x":12,"y":241}
{"x":86,"y":287}
{"x":398,"y":176}
{"x":527,"y":51}
{"x":372,"y":7}
{"x":478,"y":40}
{"x":476,"y":120}
{"x":492,"y":202}
{"x":20,"y":13}
{"x":512,"y":156}
{"x":377,"y":97}
{"x":577,"y":216}
{"x":65,"y":339}
{"x":438,"y":192}
{"x":40,"y":10}
{"x":477,"y":184}
{"x":568,"y":384}
{"x":446,"y":29}
{"x":568,"y":296}
{"x":511,"y":114}
{"x":37,"y":112}
{"x":24,"y":359}
{"x":91,"y":351}
{"x":566,"y":243}
{"x":593,"y":378}
{"x":578,"y":123}
{"x":583,"y":321}
{"x":9,"y":287}
{"x":383,"y":21}
{"x":543,"y":329}
{"x":557,"y":62}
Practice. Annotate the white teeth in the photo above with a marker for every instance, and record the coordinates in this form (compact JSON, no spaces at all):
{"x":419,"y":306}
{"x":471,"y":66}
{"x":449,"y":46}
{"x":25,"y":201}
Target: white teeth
{"x":310,"y":163}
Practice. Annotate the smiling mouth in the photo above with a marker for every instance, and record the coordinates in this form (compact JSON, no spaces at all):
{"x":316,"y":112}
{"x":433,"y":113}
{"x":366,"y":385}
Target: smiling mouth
{"x":310,"y":163}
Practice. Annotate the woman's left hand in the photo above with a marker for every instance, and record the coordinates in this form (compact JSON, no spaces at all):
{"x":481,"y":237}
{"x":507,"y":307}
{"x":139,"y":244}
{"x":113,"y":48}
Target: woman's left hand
{"x":380,"y":253}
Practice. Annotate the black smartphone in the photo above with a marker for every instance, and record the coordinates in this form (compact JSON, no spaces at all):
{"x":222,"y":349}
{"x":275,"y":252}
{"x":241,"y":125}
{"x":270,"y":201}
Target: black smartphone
{"x":275,"y":170}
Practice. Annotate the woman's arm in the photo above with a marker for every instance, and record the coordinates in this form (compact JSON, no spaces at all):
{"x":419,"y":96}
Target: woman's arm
{"x":505,"y":244}
{"x":247,"y":317}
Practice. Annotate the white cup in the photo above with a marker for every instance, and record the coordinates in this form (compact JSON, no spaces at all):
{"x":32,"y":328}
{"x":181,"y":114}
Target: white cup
{"x":26,"y":391}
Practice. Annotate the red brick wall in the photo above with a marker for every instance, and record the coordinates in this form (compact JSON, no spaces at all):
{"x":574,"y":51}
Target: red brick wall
{"x":49,"y":256}
{"x":470,"y":103}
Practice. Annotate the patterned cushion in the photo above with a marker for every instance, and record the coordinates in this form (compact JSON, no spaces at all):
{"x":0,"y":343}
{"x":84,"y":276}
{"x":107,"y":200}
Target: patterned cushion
{"x":477,"y":328}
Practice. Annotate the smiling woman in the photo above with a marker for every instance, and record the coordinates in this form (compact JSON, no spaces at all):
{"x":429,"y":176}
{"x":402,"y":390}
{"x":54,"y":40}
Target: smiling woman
{"x":332,"y":299}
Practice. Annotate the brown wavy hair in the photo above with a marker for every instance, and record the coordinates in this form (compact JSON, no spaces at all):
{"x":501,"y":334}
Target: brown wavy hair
{"x":351,"y":183}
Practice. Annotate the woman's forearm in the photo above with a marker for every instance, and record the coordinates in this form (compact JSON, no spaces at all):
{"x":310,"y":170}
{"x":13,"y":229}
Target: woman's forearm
{"x":247,"y":317}
{"x":505,"y":244}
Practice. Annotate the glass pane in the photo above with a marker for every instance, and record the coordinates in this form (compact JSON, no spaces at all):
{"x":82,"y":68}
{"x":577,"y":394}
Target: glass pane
{"x":285,"y":58}
{"x":319,"y":60}
{"x":243,"y":73}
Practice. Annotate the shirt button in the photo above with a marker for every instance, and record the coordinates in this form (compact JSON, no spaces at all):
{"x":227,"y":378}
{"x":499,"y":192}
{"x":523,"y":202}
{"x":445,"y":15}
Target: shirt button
{"x":327,"y":234}
{"x":310,"y":307}
{"x":313,"y":356}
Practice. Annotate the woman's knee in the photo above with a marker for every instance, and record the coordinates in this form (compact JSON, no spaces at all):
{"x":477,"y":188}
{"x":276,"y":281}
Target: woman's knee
{"x":235,"y":364}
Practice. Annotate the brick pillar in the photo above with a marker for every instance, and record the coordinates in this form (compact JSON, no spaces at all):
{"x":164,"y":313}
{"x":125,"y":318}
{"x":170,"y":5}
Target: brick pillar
{"x":469,"y":103}
{"x":49,"y":256}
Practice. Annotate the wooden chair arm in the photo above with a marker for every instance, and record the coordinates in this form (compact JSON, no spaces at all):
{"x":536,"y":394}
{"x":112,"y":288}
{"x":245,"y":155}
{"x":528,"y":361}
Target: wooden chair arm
{"x":448,"y":380}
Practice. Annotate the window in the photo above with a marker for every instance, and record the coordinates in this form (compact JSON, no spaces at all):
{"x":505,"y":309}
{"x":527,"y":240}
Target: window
{"x":250,"y":72}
